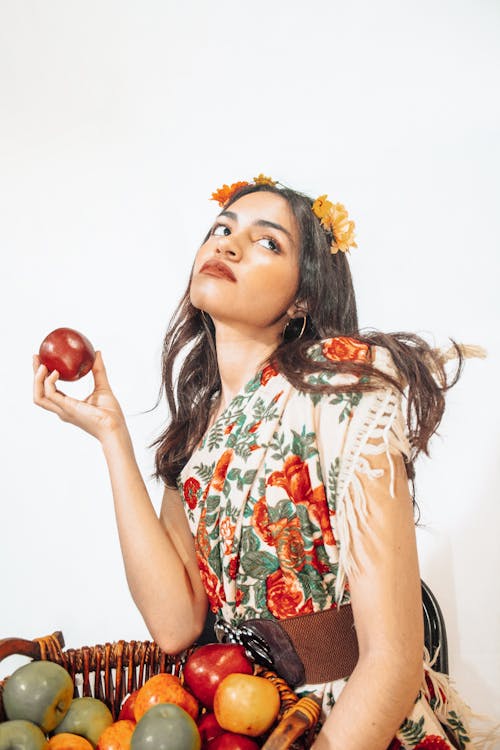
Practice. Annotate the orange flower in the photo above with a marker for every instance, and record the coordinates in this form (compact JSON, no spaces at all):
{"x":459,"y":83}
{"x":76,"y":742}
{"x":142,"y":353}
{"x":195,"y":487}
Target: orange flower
{"x":260,"y":521}
{"x":290,"y":547}
{"x":202,"y":541}
{"x":263,"y":180}
{"x":295,"y":479}
{"x":211,"y":584}
{"x":229,"y":428}
{"x":267,"y":373}
{"x":255,"y":426}
{"x":345,"y":348}
{"x":285,"y":597}
{"x":227,"y":533}
{"x":334,"y":218}
{"x":223,"y":194}
{"x":220,"y":471}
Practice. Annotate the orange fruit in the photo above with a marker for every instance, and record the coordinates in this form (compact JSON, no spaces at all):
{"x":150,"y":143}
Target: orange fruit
{"x":117,"y":736}
{"x":164,"y":688}
{"x":68,"y":741}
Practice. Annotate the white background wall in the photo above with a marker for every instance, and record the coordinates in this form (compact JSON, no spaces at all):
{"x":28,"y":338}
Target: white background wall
{"x":117,"y":121}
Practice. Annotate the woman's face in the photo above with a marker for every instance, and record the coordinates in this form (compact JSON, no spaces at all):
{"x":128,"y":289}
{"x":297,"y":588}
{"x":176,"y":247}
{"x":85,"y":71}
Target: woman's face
{"x":247,"y":271}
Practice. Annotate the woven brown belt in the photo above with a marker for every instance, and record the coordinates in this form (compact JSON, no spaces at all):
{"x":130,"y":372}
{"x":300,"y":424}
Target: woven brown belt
{"x":314,"y":648}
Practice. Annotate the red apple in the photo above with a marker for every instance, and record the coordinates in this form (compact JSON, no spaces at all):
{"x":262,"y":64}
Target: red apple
{"x":209,"y":728}
{"x":206,"y":667}
{"x":67,"y":351}
{"x":232,"y":741}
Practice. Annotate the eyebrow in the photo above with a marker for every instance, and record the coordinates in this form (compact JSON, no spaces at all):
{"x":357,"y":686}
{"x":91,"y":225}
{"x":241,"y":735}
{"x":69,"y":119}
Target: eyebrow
{"x":259,"y":223}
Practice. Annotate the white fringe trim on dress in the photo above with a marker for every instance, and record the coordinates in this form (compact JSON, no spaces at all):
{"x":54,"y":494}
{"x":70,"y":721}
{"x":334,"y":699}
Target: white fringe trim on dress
{"x":482,"y":730}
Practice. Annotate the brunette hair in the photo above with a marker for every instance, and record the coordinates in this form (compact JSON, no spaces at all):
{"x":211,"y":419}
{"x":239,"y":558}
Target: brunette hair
{"x":326,"y":290}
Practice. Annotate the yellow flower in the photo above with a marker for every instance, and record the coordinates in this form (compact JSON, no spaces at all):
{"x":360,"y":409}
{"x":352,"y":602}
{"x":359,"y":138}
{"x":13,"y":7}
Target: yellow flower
{"x":334,"y":217}
{"x":263,"y":180}
{"x":322,"y":208}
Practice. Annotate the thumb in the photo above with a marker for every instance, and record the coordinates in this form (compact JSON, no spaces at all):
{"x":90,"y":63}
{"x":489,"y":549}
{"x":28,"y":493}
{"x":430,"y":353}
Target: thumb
{"x":99,"y":372}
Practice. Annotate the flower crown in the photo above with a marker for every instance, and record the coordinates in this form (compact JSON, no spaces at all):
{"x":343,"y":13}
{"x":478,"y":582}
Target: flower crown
{"x":333,"y":216}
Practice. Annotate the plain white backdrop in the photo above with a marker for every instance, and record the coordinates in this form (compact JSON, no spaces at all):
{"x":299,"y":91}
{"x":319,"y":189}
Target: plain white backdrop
{"x":117,"y":121}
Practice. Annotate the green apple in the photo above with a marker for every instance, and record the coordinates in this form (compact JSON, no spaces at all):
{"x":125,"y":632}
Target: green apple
{"x":166,"y":726}
{"x":87,"y":717}
{"x":40,"y":691}
{"x":21,"y":735}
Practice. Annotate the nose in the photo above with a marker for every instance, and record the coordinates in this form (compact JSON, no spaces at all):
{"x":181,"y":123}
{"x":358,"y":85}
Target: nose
{"x":228,"y":247}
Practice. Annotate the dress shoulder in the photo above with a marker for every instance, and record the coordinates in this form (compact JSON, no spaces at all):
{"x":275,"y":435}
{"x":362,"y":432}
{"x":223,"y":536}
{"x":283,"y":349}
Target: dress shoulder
{"x":351,"y":428}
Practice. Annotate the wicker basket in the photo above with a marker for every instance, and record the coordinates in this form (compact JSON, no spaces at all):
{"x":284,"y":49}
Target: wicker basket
{"x":111,"y":671}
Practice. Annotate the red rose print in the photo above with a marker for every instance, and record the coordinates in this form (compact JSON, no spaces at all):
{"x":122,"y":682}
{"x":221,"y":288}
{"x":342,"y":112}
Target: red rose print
{"x":255,"y":426}
{"x":290,"y":547}
{"x":433,"y":742}
{"x":220,"y":471}
{"x":284,"y":596}
{"x":191,"y":489}
{"x":212,"y":585}
{"x":345,"y":348}
{"x":234,"y":564}
{"x":229,"y":428}
{"x":227,"y":533}
{"x":260,"y":521}
{"x":312,"y":555}
{"x":239,"y":597}
{"x":295,"y":479}
{"x":267,"y":373}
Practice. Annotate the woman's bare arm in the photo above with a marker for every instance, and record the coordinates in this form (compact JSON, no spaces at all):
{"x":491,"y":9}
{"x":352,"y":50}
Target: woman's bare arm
{"x":387,"y":609}
{"x":158,"y":554}
{"x":159,"y":563}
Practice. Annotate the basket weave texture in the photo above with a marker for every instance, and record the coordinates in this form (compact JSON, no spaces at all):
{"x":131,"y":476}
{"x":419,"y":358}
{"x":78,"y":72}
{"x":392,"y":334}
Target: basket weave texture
{"x":111,"y":671}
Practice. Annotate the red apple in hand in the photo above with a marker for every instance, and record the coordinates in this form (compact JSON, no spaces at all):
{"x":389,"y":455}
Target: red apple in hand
{"x":67,"y":351}
{"x":206,"y":667}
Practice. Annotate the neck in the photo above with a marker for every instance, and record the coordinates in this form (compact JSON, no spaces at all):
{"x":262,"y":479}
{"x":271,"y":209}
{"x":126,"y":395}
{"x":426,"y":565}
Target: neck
{"x":240,"y":353}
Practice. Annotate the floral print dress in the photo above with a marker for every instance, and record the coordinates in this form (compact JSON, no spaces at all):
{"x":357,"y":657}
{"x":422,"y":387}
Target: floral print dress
{"x":274,"y":501}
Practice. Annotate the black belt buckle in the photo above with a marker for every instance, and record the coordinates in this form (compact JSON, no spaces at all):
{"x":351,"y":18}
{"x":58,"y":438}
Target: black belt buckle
{"x":254,"y":644}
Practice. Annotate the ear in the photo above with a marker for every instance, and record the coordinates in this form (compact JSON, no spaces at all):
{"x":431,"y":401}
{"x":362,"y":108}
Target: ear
{"x":297,"y":310}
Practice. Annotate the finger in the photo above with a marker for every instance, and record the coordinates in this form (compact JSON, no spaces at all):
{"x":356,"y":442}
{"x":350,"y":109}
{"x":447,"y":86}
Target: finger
{"x":39,"y":379}
{"x":50,"y":390}
{"x":39,"y":397}
{"x":36,"y":362}
{"x":99,"y":372}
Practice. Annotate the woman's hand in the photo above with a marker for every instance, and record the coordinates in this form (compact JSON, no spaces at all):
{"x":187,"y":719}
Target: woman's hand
{"x":99,"y":414}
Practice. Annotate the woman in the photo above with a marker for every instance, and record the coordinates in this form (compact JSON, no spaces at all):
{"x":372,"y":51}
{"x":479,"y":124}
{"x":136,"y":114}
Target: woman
{"x":286,"y":466}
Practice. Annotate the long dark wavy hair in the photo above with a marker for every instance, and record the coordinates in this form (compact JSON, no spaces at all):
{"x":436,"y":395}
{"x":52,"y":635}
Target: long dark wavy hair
{"x":326,"y":289}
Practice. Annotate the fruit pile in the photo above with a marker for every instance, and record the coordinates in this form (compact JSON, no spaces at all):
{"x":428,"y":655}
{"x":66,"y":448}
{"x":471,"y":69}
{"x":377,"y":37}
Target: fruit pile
{"x":219,"y":704}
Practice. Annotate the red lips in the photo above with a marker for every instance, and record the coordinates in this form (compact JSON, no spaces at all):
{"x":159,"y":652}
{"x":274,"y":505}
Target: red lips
{"x":218,"y":268}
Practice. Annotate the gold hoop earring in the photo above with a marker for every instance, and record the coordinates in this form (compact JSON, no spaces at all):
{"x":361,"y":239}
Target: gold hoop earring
{"x":304,"y":323}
